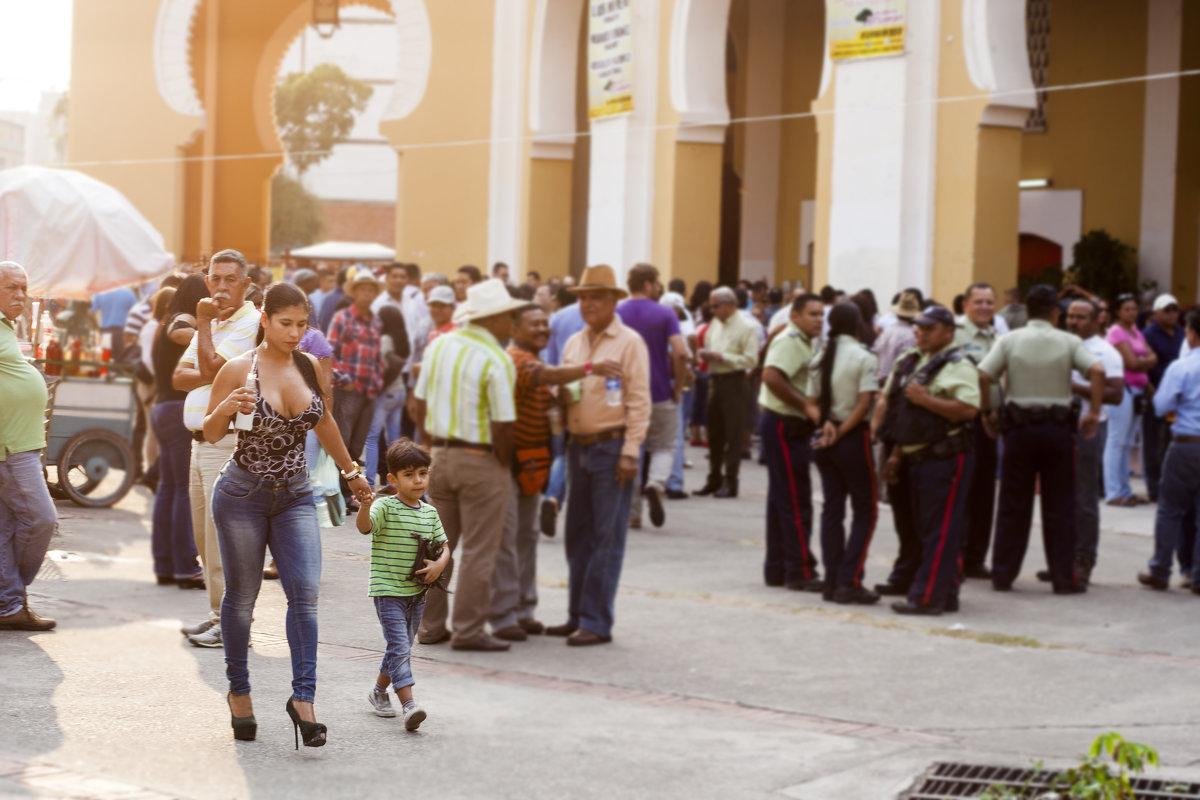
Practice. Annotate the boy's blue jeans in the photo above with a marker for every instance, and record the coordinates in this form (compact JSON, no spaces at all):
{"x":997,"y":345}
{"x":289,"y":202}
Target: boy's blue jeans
{"x":400,"y":618}
{"x":251,"y":513}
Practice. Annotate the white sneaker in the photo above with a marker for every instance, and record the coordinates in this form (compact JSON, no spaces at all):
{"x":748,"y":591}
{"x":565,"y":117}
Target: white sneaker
{"x":414,"y":715}
{"x":382,"y":703}
{"x":210,"y":638}
{"x":198,"y":628}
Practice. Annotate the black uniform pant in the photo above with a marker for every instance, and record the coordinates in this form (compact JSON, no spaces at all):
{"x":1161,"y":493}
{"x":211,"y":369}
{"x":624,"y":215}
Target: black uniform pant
{"x":726,"y":425}
{"x":981,"y":505}
{"x":908,"y":560}
{"x":789,"y":503}
{"x":938,"y":488}
{"x":847,"y":470}
{"x":1044,"y":452}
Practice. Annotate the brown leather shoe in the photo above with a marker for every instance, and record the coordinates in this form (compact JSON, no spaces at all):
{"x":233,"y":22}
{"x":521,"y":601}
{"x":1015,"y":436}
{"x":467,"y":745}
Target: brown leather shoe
{"x":532,"y":626}
{"x":484,"y":644}
{"x":566,"y":629}
{"x":26,"y":620}
{"x":513,"y":633}
{"x":437,"y":639}
{"x":583,"y":638}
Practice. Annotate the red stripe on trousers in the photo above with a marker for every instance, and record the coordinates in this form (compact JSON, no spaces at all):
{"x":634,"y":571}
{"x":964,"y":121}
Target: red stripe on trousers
{"x":937,"y":558}
{"x":874,"y":509}
{"x":787,"y":459}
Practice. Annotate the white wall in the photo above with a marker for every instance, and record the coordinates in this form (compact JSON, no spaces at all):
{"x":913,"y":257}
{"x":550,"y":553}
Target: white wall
{"x":1054,"y":214}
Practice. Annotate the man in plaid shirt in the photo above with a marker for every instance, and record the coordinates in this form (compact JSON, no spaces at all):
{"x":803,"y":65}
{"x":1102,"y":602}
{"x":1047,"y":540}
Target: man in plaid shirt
{"x":354,"y":335}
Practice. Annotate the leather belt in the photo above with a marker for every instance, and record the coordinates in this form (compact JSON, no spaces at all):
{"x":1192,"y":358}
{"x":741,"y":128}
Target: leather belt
{"x":717,"y":376}
{"x":1186,"y":439}
{"x":589,"y":439}
{"x":198,"y":436}
{"x":460,"y":443}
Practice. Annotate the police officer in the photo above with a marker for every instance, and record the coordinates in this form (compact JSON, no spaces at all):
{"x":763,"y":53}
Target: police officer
{"x":1178,"y":393}
{"x":931,"y":397}
{"x":1039,"y":438}
{"x":975,"y":335}
{"x":841,"y":387}
{"x":787,"y":433}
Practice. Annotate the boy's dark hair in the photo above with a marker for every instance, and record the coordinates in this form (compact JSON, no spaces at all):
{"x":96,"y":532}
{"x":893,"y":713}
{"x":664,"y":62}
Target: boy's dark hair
{"x":405,"y":454}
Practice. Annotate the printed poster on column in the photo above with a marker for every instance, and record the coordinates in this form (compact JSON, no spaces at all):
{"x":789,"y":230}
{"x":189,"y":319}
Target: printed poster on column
{"x":610,"y":58}
{"x":859,"y":29}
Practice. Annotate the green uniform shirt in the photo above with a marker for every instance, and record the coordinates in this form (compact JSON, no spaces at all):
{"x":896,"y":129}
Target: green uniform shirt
{"x":22,"y":396}
{"x":395,"y":527}
{"x":853,"y":373}
{"x":977,"y":343}
{"x":736,"y":339}
{"x":790,"y":352}
{"x":957,"y":380}
{"x":1038,"y":360}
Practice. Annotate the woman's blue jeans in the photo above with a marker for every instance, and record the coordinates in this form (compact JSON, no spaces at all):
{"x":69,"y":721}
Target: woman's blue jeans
{"x":171,"y":542}
{"x":1122,"y":425}
{"x":388,"y":409}
{"x":252,"y":513}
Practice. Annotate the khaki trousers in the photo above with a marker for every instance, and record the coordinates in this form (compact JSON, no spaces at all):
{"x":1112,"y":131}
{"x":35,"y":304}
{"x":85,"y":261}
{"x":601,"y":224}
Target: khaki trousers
{"x":471,"y":493}
{"x":207,"y":462}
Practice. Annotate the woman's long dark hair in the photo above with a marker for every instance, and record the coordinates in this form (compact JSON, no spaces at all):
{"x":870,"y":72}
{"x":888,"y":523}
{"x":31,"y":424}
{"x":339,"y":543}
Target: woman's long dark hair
{"x":188,"y":296}
{"x":278,"y":297}
{"x":392,"y":322}
{"x":844,"y":320}
{"x":700,"y":294}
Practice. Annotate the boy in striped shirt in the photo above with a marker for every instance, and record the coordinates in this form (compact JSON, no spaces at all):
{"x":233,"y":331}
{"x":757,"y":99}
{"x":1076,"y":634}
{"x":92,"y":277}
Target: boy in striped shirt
{"x":395,"y":524}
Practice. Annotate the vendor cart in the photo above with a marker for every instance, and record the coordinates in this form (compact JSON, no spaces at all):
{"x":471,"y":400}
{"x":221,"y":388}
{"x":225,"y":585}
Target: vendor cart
{"x":89,"y":430}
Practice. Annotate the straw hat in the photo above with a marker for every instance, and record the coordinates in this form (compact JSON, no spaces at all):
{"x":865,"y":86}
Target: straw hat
{"x":600,"y":276}
{"x":909,"y":306}
{"x":487,"y":299}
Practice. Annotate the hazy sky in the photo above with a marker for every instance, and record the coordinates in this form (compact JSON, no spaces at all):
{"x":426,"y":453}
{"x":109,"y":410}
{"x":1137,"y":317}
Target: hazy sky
{"x":35,"y":50}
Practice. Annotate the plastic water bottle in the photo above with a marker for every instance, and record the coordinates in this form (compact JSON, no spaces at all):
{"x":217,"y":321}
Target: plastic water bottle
{"x":612,"y":391}
{"x":245,"y":420}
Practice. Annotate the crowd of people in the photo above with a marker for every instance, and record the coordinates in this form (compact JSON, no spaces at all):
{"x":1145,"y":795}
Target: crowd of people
{"x":467,"y":414}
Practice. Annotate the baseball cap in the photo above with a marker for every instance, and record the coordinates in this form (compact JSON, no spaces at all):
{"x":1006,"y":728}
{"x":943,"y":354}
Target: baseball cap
{"x":302,"y":275}
{"x":1165,"y":300}
{"x":932,"y":315}
{"x":442,"y":294}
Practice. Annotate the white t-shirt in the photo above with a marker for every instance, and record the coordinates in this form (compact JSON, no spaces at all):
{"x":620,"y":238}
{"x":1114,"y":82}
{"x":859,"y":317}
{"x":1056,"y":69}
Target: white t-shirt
{"x":781,"y":317}
{"x":1114,"y":367}
{"x":146,"y":342}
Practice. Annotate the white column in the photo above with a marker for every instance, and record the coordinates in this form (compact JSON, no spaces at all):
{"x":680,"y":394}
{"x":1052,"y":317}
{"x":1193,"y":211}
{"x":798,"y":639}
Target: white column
{"x":760,"y":179}
{"x":507,"y":148}
{"x":1160,"y":143}
{"x":621,"y":188}
{"x":884,"y":170}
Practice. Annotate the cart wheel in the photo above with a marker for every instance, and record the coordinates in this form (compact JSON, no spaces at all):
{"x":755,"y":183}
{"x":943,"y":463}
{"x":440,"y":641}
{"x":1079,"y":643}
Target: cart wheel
{"x":95,"y":468}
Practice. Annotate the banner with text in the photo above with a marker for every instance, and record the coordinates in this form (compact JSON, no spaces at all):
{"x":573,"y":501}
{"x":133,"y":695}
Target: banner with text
{"x":859,"y":29}
{"x":610,"y":58}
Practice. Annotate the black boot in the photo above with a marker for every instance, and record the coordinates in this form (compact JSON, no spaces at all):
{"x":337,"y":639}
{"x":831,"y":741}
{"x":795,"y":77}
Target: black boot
{"x":729,"y":489}
{"x":711,"y":486}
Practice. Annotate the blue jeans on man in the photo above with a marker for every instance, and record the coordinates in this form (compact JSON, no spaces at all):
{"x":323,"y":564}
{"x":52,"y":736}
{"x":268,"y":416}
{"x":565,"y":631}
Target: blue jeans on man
{"x":252,"y":513}
{"x":1178,"y":492}
{"x":597,"y":523}
{"x":27,"y":521}
{"x":675,"y":482}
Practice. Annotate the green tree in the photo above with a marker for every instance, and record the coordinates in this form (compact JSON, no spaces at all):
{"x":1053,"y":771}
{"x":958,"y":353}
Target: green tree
{"x":296,"y":218}
{"x":315,"y":110}
{"x":1103,"y":265}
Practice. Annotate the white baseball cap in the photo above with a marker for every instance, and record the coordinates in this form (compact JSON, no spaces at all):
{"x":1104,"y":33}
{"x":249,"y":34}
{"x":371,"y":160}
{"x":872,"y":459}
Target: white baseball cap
{"x":1164,"y":300}
{"x":442,"y":294}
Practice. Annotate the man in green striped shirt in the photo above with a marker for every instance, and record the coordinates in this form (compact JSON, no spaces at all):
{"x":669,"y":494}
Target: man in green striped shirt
{"x":466,"y":410}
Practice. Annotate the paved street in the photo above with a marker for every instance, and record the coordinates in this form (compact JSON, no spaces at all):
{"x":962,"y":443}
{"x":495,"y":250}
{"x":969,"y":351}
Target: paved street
{"x":715,"y":685}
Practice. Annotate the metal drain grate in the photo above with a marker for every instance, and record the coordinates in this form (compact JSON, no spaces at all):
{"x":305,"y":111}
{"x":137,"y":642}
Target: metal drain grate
{"x":946,"y":781}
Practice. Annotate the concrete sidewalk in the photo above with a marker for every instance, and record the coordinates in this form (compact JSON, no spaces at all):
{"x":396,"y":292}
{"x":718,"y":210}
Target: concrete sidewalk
{"x":715,"y":685}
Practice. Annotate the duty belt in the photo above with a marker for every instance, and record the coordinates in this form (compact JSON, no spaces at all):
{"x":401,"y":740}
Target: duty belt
{"x":952,"y":445}
{"x":1015,"y":416}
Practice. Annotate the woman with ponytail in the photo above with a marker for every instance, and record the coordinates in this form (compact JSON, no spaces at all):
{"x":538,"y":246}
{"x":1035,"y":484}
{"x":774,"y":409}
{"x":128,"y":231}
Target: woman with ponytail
{"x":841,"y":389}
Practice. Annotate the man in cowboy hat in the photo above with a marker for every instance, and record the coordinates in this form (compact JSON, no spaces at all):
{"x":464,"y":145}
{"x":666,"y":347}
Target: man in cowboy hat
{"x":466,"y":411}
{"x":898,"y":337}
{"x":607,"y":419}
{"x":355,"y":335}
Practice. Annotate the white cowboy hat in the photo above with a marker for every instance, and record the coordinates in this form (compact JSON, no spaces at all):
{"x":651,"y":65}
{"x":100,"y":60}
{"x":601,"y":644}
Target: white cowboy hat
{"x":487,"y":299}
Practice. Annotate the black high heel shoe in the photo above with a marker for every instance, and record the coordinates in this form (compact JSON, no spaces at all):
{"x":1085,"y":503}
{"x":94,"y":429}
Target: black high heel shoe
{"x":313,"y":732}
{"x":244,"y":728}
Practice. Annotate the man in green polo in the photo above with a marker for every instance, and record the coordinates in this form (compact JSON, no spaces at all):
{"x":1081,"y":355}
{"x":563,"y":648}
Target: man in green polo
{"x":27,"y":516}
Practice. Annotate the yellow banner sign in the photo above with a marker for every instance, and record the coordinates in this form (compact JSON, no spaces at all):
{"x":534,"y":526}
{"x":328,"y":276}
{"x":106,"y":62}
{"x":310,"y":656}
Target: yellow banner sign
{"x":610,"y":58}
{"x":859,"y":29}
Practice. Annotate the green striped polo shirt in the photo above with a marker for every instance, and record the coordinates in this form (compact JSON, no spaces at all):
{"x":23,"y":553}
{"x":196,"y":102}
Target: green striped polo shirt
{"x":395,"y":527}
{"x":467,"y":383}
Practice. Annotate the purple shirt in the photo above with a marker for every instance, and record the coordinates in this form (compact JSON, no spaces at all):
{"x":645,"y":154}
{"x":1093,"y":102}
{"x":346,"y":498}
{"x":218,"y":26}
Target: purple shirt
{"x":657,"y":324}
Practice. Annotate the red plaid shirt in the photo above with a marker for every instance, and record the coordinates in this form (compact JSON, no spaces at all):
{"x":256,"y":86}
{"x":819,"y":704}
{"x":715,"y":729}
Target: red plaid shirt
{"x":356,"y":350}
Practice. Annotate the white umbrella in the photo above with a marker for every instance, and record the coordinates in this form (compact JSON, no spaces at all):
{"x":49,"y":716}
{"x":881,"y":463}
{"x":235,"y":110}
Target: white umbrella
{"x":346,"y":251}
{"x":75,"y":235}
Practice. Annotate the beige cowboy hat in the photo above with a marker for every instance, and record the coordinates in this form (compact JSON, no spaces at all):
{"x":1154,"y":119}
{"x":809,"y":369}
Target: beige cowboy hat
{"x":600,"y":276}
{"x":909,"y":306}
{"x":487,"y":299}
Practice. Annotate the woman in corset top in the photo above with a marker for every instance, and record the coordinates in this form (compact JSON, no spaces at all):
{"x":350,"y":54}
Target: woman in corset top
{"x":262,"y":498}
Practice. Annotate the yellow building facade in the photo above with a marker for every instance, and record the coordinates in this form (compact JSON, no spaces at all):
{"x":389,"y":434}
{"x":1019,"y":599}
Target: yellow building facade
{"x":748,"y":152}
